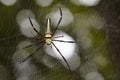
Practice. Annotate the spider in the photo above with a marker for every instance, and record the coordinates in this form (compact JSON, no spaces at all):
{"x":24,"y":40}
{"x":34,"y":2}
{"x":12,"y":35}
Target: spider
{"x":47,"y":39}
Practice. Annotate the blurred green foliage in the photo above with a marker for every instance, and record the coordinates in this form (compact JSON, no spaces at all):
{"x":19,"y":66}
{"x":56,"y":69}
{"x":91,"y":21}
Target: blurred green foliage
{"x":10,"y":36}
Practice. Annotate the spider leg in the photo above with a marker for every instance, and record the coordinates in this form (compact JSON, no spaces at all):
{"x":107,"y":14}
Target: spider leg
{"x":65,"y":41}
{"x":58,"y":36}
{"x":62,"y":57}
{"x":28,"y":46}
{"x":31,"y":45}
{"x":35,"y":28}
{"x":58,"y":21}
{"x":30,"y":55}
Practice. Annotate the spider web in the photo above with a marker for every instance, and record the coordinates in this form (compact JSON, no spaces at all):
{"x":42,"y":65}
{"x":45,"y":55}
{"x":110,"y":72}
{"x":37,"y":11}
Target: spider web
{"x":10,"y":37}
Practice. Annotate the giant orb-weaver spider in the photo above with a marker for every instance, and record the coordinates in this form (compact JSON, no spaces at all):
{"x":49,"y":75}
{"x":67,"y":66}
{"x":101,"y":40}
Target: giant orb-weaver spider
{"x":47,"y":39}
